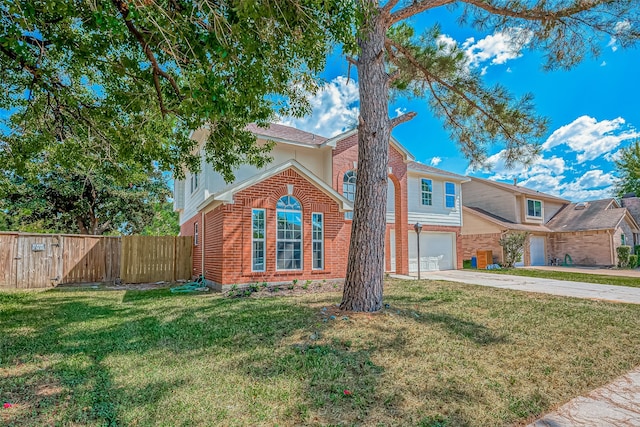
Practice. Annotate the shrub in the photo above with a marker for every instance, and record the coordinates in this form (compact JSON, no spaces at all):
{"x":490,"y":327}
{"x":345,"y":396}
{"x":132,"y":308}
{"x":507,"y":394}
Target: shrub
{"x":513,"y":247}
{"x":623,"y":255}
{"x":633,"y":261}
{"x":466,"y":263}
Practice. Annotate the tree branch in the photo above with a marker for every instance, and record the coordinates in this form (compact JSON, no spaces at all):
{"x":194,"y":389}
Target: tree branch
{"x":402,"y":119}
{"x":430,"y":77}
{"x":390,"y":5}
{"x":416,"y":7}
{"x":123,"y":8}
{"x":537,"y":13}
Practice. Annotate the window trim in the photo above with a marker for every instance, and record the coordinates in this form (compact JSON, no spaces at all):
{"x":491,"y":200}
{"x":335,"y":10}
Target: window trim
{"x":423,"y":193}
{"x":527,"y":200}
{"x":354,"y":174}
{"x":195,"y":233}
{"x":301,"y":240}
{"x":263,"y":240}
{"x":319,"y":241}
{"x":194,"y":182}
{"x":454,"y":195}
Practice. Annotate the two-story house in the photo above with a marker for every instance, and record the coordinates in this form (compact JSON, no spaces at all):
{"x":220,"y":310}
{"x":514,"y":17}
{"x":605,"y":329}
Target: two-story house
{"x":493,"y":208}
{"x":585,"y":233}
{"x":292,"y":219}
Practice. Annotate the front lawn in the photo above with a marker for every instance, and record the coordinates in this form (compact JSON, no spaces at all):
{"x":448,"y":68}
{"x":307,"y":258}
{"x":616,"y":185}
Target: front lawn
{"x":441,"y":354}
{"x":574,"y":277}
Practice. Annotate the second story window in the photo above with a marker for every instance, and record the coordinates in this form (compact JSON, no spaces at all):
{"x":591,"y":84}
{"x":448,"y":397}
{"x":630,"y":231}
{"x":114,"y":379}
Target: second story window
{"x":534,"y":208}
{"x":450,"y":195}
{"x":194,"y":182}
{"x":349,"y":190}
{"x":427,"y":192}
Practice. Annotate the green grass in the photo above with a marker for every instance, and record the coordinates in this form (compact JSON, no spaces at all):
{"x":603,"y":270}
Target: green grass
{"x":575,"y":277}
{"x":441,"y":354}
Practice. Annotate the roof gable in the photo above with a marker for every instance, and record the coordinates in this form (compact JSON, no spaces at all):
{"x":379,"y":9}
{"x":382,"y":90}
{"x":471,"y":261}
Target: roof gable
{"x":286,"y":134}
{"x":226,"y":195}
{"x":430,"y":170}
{"x":332,"y":142}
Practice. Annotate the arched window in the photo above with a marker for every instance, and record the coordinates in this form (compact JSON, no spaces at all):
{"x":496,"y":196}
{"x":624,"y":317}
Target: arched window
{"x":349,"y":190}
{"x":289,"y":234}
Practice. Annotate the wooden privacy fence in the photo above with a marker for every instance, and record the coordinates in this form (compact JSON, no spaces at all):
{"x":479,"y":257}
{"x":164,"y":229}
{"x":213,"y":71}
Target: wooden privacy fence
{"x":43,"y":260}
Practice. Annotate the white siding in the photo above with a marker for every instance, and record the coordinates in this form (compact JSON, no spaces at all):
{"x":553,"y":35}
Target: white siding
{"x":318,"y":161}
{"x":178,"y":195}
{"x":437,"y":213}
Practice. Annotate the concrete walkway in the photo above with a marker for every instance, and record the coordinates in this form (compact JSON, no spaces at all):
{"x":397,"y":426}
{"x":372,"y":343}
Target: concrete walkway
{"x":617,"y":404}
{"x":535,"y":284}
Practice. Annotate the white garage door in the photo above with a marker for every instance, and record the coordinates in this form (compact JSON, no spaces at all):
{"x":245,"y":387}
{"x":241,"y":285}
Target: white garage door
{"x":536,"y":248}
{"x":436,"y":251}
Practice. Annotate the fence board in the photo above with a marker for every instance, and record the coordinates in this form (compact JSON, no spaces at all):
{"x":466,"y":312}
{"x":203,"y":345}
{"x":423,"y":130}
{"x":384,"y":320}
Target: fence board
{"x":7,"y":261}
{"x":183,"y":260}
{"x":151,"y":258}
{"x":37,"y":261}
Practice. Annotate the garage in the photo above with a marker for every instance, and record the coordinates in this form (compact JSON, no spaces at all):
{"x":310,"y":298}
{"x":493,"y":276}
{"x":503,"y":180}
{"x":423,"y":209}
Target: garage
{"x":536,"y":249}
{"x":437,"y":251}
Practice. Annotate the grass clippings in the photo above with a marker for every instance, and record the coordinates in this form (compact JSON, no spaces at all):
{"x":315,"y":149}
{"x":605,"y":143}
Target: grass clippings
{"x":438,"y":354}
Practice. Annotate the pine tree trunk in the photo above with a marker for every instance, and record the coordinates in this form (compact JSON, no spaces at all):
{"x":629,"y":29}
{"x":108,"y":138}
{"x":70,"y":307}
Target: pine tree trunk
{"x":365,"y":268}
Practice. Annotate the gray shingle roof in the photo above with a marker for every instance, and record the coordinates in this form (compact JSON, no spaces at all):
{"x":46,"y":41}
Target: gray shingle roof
{"x":419,"y":167}
{"x":505,"y":223}
{"x":286,"y":133}
{"x":596,"y":215}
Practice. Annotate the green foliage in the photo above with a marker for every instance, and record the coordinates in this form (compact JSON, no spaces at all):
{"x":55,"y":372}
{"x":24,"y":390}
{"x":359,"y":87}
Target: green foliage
{"x":623,"y":255}
{"x":164,"y":221}
{"x":513,"y":247}
{"x":628,"y":166}
{"x":135,"y":78}
{"x":88,"y":197}
{"x":633,"y":261}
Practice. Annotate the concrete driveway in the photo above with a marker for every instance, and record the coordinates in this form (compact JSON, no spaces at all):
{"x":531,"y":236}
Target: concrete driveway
{"x":545,"y":286}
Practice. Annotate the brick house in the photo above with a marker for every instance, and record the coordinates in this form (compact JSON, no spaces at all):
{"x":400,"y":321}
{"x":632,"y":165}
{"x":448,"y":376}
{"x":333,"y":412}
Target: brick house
{"x":588,"y":232}
{"x":292,"y":219}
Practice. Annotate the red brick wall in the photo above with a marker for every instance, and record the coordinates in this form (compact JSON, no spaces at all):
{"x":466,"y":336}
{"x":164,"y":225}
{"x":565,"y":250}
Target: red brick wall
{"x":214,"y":244}
{"x":187,"y":229}
{"x":236,"y":233}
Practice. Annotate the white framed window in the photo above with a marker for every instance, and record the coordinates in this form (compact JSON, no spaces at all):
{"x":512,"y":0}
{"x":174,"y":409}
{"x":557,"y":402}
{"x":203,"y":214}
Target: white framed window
{"x":534,"y":208}
{"x":427,"y":192}
{"x":449,"y":195}
{"x":258,"y":236}
{"x":623,"y":240}
{"x":195,"y":234}
{"x":289,"y":234}
{"x":349,"y":189}
{"x":317,"y":240}
{"x":194,"y":182}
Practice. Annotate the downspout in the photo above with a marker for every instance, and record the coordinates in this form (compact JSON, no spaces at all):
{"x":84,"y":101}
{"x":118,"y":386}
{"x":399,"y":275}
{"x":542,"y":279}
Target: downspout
{"x":202,"y":233}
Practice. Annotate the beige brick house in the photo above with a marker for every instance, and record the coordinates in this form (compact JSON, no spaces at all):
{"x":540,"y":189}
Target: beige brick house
{"x":585,"y":233}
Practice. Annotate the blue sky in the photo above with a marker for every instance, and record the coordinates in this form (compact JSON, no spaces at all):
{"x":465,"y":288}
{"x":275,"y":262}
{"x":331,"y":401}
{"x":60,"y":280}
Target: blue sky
{"x":593,"y":111}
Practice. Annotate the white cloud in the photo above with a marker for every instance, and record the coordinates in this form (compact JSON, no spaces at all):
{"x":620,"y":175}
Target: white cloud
{"x":400,"y":111}
{"x":333,"y":109}
{"x":435,"y":161}
{"x":497,"y":48}
{"x":620,"y":27}
{"x":593,"y":185}
{"x":603,"y":64}
{"x":590,"y":138}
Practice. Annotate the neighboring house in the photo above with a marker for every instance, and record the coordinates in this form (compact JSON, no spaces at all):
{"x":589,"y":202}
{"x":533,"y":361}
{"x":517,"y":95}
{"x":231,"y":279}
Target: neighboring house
{"x":590,"y":232}
{"x":292,"y":219}
{"x":493,"y":208}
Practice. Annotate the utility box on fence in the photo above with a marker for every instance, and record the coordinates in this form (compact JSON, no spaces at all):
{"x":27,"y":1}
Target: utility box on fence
{"x":484,"y":258}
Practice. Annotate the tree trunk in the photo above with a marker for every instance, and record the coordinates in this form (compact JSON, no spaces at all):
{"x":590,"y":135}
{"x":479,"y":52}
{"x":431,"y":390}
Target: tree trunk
{"x":365,"y":268}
